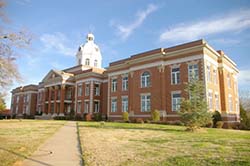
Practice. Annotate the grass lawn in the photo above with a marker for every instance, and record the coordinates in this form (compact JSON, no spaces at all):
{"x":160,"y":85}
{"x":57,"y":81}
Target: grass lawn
{"x":150,"y":144}
{"x":20,"y":139}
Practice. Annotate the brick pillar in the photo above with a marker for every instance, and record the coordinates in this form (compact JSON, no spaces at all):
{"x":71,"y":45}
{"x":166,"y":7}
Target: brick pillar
{"x":49,"y":101}
{"x":62,"y":100}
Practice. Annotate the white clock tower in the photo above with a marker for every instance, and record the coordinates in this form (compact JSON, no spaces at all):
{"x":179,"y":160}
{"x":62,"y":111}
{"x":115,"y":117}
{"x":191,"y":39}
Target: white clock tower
{"x":89,"y":53}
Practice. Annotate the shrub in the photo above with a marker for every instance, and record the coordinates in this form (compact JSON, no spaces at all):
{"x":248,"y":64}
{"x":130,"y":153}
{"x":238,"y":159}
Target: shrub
{"x":139,"y":120}
{"x":155,"y":115}
{"x":210,"y":124}
{"x":125,"y":116}
{"x":78,"y":117}
{"x":97,"y":116}
{"x":147,"y":121}
{"x":102,"y":123}
{"x":219,"y":124}
{"x":88,"y":117}
{"x":245,"y":119}
{"x":216,"y":117}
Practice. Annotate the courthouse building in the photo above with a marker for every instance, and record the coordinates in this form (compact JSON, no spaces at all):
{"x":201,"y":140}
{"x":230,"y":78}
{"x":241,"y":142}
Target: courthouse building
{"x":138,"y":84}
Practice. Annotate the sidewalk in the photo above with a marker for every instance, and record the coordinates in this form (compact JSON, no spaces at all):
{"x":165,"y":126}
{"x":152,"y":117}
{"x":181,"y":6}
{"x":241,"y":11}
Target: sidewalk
{"x":62,"y":149}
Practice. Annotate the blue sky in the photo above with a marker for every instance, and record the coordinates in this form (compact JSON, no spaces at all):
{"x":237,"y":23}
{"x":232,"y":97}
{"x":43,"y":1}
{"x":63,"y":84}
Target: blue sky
{"x":123,"y":28}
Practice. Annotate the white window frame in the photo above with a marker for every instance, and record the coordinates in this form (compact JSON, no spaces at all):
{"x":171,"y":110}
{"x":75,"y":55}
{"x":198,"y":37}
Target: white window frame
{"x":95,"y":63}
{"x":230,"y":103}
{"x":113,"y":104}
{"x":215,"y":78}
{"x":87,"y":89}
{"x":114,"y":85}
{"x":175,"y":76}
{"x":210,"y":99}
{"x":97,"y":109}
{"x":124,"y":103}
{"x":125,"y":83}
{"x":79,"y":106}
{"x":87,"y":61}
{"x":97,"y":89}
{"x":79,"y":90}
{"x":146,"y":102}
{"x":176,"y":101}
{"x":145,"y":79}
{"x":86,"y":106}
{"x":193,"y":69}
{"x":217,"y":101}
{"x":208,"y":69}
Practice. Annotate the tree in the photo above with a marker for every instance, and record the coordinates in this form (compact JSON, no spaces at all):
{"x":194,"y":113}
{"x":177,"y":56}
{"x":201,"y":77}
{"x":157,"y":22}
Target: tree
{"x":2,"y":103}
{"x":193,"y":110}
{"x":10,"y":41}
{"x":244,"y":96}
{"x":244,"y":118}
{"x":155,"y":115}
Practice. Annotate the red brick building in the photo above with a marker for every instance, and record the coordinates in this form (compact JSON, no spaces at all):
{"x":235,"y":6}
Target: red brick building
{"x":147,"y":81}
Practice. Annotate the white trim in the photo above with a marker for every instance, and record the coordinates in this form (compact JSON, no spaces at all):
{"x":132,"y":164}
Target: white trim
{"x":113,"y":97}
{"x":124,"y":96}
{"x":144,"y":94}
{"x":91,"y":96}
{"x":211,"y":60}
{"x":158,"y":63}
{"x":23,"y":93}
{"x":172,"y":115}
{"x":223,"y":65}
{"x":115,"y":116}
{"x":89,"y":80}
{"x":59,"y":83}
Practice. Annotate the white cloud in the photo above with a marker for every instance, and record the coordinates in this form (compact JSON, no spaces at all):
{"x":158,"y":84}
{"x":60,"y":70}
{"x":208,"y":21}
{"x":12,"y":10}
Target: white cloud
{"x":124,"y":31}
{"x":244,"y":77}
{"x":58,"y":42}
{"x":232,"y":22}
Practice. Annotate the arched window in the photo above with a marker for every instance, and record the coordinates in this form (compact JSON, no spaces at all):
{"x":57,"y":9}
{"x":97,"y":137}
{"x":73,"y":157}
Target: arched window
{"x":95,"y":63}
{"x":145,"y":79}
{"x":87,"y":62}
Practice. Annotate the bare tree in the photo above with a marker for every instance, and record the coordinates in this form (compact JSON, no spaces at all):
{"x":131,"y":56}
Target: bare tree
{"x":10,"y":41}
{"x":244,"y":96}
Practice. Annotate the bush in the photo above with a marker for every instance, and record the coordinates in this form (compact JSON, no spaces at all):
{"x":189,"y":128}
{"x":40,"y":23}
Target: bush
{"x":88,"y":117}
{"x":216,"y":117}
{"x":139,"y":120}
{"x":78,"y":117}
{"x":147,"y":121}
{"x":125,"y":116}
{"x":155,"y":115}
{"x":97,"y":116}
{"x":59,"y":118}
{"x":210,"y":124}
{"x":245,"y":119}
{"x":219,"y":124}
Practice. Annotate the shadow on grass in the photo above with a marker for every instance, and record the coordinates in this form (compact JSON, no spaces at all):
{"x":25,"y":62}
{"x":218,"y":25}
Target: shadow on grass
{"x":134,"y":128}
{"x":25,"y":157}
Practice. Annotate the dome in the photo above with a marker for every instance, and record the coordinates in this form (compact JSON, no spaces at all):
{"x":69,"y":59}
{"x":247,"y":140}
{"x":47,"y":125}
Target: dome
{"x":90,"y":37}
{"x":89,"y":53}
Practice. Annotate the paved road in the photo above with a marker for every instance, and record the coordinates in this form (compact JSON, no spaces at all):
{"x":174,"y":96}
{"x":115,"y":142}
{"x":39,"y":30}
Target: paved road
{"x":62,"y":149}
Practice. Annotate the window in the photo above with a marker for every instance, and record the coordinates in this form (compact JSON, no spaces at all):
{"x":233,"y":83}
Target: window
{"x":87,"y":62}
{"x":58,"y":94}
{"x":125,"y":83}
{"x":176,"y":101}
{"x":208,"y":73}
{"x":175,"y":75}
{"x":210,"y":100}
{"x":87,"y":89}
{"x":95,"y":63}
{"x":217,"y":103}
{"x":145,"y":79}
{"x":97,"y":106}
{"x":124,"y":104}
{"x":68,"y":94}
{"x":113,"y":105}
{"x":215,"y":76}
{"x":79,"y":89}
{"x":145,"y":103}
{"x":229,"y":81}
{"x":17,"y":99}
{"x":79,"y":107}
{"x":39,"y":97}
{"x":230,"y":103}
{"x":79,"y":61}
{"x":97,"y":89}
{"x":193,"y":72}
{"x":39,"y":109}
{"x":114,"y":85}
{"x":86,"y":107}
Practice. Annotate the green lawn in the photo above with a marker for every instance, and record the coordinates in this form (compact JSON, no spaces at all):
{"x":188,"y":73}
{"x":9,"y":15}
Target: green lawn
{"x":150,"y":144}
{"x":20,"y":139}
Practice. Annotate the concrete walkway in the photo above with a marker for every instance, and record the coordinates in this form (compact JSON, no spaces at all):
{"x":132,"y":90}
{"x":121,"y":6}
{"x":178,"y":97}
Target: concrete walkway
{"x":62,"y":149}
